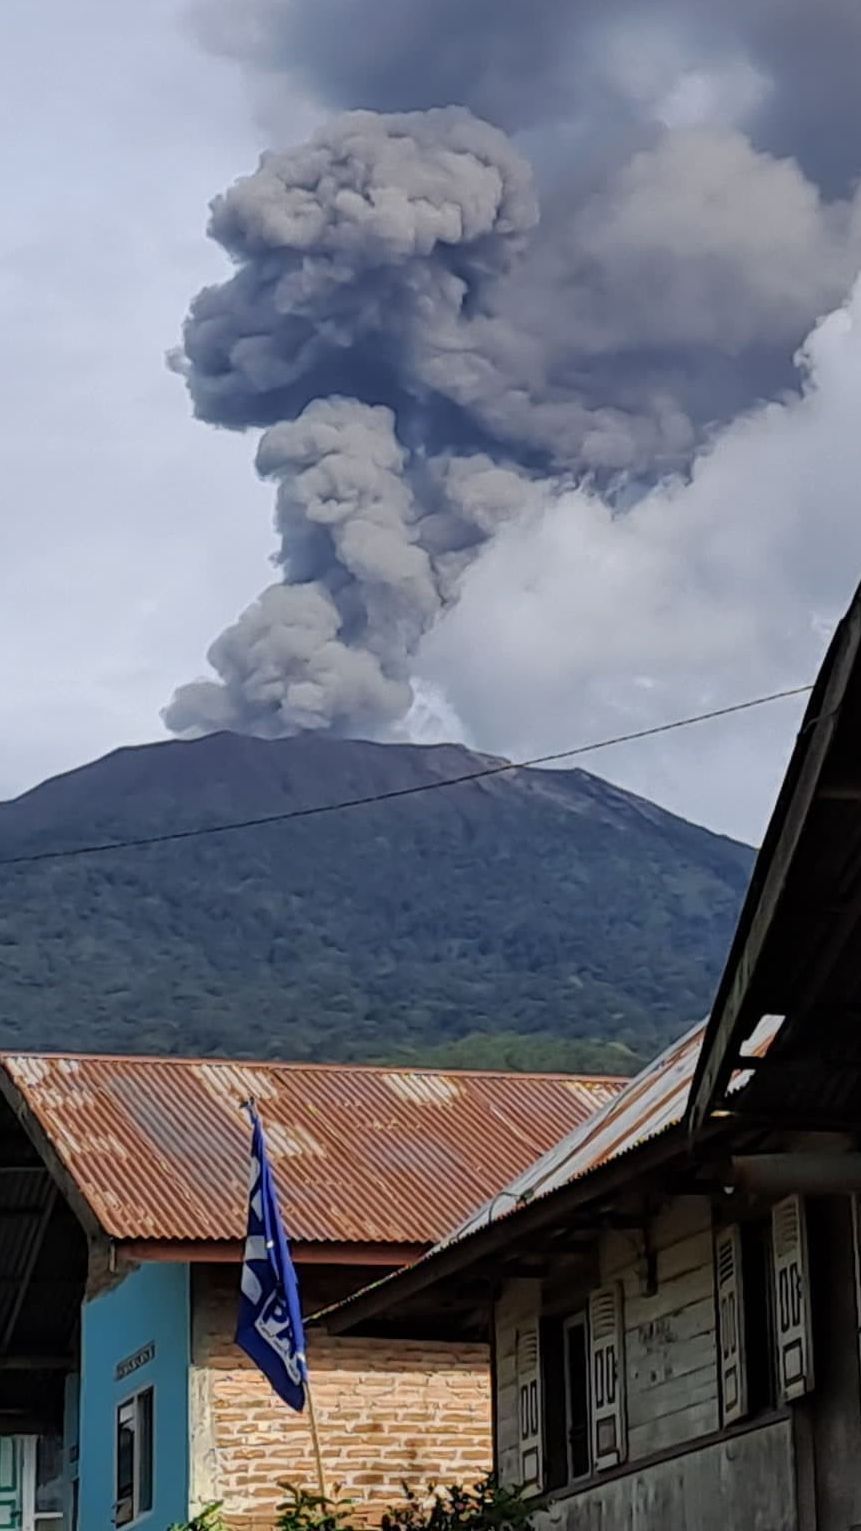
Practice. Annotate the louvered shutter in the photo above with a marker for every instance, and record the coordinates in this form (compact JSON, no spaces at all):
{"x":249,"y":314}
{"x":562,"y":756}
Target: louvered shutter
{"x":607,"y":1377}
{"x":730,"y":1296}
{"x":856,"y":1245}
{"x":791,"y":1299}
{"x":529,"y":1408}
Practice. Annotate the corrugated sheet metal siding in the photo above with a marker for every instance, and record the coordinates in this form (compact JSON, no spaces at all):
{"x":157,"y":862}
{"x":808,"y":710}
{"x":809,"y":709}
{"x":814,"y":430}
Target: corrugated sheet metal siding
{"x":158,"y":1147}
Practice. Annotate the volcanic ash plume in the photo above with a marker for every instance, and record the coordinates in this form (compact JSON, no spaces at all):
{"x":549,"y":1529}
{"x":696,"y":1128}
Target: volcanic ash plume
{"x":428,"y":361}
{"x":355,"y":254}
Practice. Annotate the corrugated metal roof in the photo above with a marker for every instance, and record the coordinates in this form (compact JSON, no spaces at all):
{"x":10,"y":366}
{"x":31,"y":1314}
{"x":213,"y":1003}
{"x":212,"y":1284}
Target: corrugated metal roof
{"x":158,"y":1147}
{"x":653,"y":1101}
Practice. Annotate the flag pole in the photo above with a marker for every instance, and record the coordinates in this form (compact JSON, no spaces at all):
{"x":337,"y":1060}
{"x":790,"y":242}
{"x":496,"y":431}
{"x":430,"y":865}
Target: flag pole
{"x":315,"y":1437}
{"x":250,"y":1107}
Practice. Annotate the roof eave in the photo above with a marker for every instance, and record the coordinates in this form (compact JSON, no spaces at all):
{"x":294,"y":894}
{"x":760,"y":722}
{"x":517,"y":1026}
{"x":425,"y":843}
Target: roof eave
{"x":733,"y":1018}
{"x":456,"y":1258}
{"x":232,"y":1251}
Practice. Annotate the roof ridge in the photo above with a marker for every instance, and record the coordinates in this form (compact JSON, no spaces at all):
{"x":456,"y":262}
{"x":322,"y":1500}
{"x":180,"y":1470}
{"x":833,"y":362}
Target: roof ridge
{"x":9,"y":1055}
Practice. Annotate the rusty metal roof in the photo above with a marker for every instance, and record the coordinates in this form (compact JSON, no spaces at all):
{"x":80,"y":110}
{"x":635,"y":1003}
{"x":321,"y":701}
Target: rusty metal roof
{"x":158,"y":1148}
{"x":646,"y":1106}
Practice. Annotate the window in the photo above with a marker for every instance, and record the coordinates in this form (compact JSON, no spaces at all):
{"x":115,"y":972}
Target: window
{"x":134,"y":1460}
{"x":758,"y":1317}
{"x":49,"y":1487}
{"x":746,"y":1329}
{"x":577,"y":1396}
{"x":583,"y":1391}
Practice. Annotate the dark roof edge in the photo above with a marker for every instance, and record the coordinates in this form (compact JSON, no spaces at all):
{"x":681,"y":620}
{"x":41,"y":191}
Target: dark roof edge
{"x":729,"y":1025}
{"x":232,"y":1252}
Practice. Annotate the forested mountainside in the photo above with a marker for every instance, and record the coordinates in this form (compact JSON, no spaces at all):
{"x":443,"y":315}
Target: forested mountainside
{"x":537,"y":919}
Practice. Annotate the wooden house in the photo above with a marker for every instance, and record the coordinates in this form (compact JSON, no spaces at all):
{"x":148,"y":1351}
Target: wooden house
{"x":672,"y":1293}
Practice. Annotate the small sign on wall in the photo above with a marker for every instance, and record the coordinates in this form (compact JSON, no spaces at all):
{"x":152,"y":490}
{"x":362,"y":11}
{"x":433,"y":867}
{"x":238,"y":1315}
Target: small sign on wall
{"x":134,"y":1363}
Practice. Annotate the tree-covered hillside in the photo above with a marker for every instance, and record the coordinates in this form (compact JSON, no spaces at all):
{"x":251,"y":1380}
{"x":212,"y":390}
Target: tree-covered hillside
{"x":527,"y":920}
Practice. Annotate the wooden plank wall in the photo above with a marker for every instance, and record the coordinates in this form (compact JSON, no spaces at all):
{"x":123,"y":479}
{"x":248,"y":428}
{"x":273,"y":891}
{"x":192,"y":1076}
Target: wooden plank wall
{"x":743,"y":1484}
{"x":520,"y":1299}
{"x":670,"y":1341}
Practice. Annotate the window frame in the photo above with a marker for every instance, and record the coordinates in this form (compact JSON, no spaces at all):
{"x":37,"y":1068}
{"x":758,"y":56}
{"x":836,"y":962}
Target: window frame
{"x":763,"y":1385}
{"x":134,"y":1400}
{"x":762,"y":1388}
{"x":578,"y":1320}
{"x":44,"y":1519}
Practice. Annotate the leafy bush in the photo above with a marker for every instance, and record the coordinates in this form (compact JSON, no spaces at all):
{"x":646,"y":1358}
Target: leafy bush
{"x":209,"y":1519}
{"x":483,"y":1507}
{"x":303,"y":1511}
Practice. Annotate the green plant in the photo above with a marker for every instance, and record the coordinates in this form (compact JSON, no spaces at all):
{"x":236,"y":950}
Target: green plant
{"x":208,"y":1519}
{"x":484,"y":1507}
{"x":300,"y":1510}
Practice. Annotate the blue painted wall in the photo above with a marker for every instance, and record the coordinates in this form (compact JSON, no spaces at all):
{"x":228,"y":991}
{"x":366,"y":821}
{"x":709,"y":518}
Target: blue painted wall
{"x":150,"y":1306}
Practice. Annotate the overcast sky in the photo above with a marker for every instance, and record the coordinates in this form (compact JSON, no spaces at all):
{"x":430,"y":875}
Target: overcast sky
{"x":132,"y":534}
{"x":127,"y":530}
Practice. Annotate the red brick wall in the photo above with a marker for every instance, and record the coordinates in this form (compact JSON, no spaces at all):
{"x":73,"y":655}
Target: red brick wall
{"x":388,"y":1411}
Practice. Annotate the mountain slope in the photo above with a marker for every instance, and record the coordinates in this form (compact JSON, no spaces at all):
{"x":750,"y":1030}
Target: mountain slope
{"x":515,"y":920}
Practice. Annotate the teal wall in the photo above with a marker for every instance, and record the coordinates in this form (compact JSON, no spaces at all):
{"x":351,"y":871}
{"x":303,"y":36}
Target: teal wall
{"x":151,"y":1306}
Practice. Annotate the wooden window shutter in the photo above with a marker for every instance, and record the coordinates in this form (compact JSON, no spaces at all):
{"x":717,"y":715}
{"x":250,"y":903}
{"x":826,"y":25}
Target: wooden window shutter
{"x":607,"y":1377}
{"x":791,"y":1299}
{"x":730,"y":1299}
{"x":529,"y":1408}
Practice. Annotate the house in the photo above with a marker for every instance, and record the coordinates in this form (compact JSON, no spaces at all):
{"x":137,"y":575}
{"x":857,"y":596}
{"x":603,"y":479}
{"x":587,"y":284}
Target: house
{"x":123,"y":1200}
{"x":673,"y":1292}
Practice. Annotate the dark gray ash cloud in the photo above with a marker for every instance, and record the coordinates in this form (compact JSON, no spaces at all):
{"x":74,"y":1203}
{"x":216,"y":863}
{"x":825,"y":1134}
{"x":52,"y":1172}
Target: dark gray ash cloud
{"x":600,"y":70}
{"x":437,"y":318}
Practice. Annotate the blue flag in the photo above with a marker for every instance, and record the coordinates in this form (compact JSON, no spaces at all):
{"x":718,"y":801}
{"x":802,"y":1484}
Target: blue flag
{"x":269,"y":1328}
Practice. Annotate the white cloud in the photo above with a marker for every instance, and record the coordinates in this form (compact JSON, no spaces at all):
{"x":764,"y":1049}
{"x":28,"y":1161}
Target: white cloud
{"x":582,"y":623}
{"x":126,"y":528}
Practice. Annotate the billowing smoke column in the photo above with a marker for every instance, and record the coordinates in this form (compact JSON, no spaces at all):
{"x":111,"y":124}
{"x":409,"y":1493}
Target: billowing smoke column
{"x":428,"y":357}
{"x":361,"y":257}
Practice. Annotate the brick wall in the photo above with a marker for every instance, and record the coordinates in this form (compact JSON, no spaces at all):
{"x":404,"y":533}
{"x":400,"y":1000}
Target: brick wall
{"x":387,"y":1411}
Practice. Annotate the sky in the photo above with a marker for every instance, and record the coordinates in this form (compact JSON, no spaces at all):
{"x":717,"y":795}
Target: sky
{"x":608,"y":475}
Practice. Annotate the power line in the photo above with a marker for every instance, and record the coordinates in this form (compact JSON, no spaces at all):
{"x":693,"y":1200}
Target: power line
{"x":319,"y":809}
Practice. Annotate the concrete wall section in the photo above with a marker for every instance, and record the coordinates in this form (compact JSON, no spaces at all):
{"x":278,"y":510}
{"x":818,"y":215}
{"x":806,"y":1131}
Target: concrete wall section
{"x":146,"y":1314}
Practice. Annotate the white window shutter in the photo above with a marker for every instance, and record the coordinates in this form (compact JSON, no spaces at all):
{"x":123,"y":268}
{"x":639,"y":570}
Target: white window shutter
{"x":529,"y":1408}
{"x":730,"y":1296}
{"x":607,"y":1377}
{"x":792,"y":1299}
